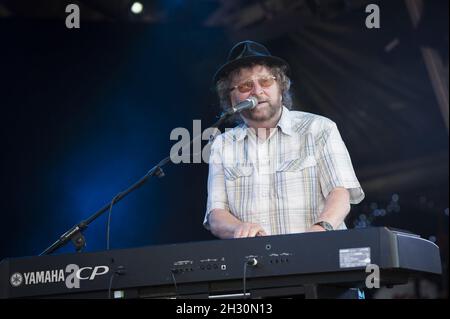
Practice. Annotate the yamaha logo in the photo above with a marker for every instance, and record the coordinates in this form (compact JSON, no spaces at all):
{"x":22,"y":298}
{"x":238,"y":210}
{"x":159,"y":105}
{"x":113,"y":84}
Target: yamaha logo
{"x":71,"y":276}
{"x":16,"y":279}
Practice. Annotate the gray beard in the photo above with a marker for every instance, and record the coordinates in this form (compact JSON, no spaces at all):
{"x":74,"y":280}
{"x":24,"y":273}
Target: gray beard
{"x":270,"y":112}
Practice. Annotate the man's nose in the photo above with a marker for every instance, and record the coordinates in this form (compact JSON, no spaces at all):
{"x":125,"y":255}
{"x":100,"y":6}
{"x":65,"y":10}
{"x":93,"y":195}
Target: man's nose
{"x":257,"y":88}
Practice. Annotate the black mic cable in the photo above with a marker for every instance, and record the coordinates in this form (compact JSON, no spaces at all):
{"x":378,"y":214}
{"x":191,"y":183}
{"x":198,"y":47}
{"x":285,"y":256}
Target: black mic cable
{"x":108,"y":223}
{"x":119,"y":271}
{"x":172,"y":272}
{"x":251,"y":262}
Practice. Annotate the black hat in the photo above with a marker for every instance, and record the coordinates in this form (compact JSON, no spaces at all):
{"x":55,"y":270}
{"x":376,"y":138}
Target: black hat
{"x":244,"y":53}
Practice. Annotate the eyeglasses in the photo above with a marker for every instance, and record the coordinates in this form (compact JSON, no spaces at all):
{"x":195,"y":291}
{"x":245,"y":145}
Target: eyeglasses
{"x":247,"y":86}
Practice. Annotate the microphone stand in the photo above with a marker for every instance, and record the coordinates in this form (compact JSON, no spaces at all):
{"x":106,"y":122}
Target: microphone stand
{"x":75,"y":234}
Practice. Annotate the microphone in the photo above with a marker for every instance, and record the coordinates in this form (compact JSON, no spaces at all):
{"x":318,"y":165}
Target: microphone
{"x":247,"y":104}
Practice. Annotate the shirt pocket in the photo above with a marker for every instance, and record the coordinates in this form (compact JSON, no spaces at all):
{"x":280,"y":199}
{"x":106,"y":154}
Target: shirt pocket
{"x":233,"y":173}
{"x":296,"y":180}
{"x":297,"y":164}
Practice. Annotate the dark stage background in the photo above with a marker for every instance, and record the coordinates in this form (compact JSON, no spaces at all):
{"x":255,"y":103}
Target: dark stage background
{"x":86,"y":112}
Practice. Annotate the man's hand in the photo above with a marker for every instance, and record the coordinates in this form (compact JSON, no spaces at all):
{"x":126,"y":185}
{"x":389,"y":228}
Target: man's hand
{"x":225,"y":225}
{"x":248,"y":230}
{"x":315,"y":228}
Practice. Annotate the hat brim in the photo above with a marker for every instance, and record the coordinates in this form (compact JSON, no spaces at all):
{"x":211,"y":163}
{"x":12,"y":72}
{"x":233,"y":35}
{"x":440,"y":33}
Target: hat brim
{"x":228,"y":67}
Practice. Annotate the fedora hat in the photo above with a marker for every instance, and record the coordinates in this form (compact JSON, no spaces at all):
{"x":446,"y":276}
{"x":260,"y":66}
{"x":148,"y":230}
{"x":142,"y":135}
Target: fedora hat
{"x":244,"y":53}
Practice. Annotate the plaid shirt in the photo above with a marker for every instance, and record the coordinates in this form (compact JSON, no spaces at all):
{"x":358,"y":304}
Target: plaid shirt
{"x":281,"y":183}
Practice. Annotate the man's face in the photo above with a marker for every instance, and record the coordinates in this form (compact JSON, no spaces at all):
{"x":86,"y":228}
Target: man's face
{"x":263,"y":86}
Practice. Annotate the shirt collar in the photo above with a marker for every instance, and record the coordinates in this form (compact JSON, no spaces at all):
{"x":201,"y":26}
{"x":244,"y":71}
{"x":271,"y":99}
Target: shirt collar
{"x":285,"y":124}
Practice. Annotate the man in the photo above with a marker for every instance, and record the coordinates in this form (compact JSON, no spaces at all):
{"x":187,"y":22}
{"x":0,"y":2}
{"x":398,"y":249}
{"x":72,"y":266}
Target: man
{"x":279,"y":171}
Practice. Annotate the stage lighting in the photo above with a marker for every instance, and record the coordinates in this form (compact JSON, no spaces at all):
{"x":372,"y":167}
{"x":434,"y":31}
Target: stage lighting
{"x":137,"y":7}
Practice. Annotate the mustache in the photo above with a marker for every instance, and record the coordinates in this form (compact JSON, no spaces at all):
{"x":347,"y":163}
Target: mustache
{"x":262,"y":99}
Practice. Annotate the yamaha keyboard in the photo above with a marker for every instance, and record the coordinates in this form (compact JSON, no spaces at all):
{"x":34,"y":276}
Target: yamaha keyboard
{"x":251,"y":267}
